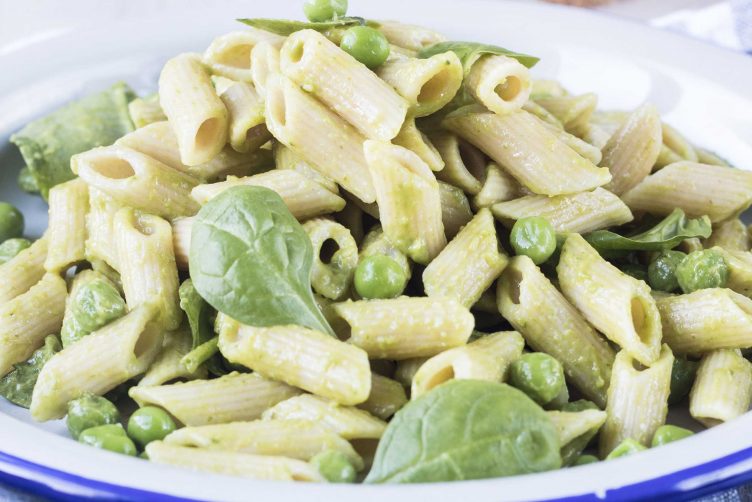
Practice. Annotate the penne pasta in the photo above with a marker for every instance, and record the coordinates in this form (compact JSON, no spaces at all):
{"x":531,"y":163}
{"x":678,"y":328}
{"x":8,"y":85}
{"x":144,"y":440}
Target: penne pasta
{"x":284,"y":158}
{"x":455,"y":209}
{"x":413,"y":139}
{"x":731,"y":235}
{"x":331,"y":275}
{"x":264,"y":63}
{"x":245,"y":111}
{"x":498,"y":186}
{"x":229,"y":55}
{"x":66,"y":231}
{"x":409,"y":36}
{"x":500,"y":83}
{"x":576,"y":429}
{"x":464,"y":165}
{"x":573,"y":112}
{"x":23,"y":271}
{"x":146,"y":110}
{"x":386,"y":398}
{"x":168,"y":366}
{"x":722,"y":389}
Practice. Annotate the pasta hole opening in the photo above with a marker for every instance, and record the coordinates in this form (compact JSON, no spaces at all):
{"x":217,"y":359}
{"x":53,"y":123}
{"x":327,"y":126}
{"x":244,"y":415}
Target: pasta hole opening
{"x":208,"y":132}
{"x":113,"y":168}
{"x":509,"y":89}
{"x":514,"y":284}
{"x":438,"y":378}
{"x":146,"y":341}
{"x":327,"y":251}
{"x":296,"y":52}
{"x":640,"y":321}
{"x":238,"y":56}
{"x":638,"y":366}
{"x":436,"y":87}
{"x":473,"y":159}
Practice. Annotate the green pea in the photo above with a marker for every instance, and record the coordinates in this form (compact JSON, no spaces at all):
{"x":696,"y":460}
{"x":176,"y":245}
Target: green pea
{"x":11,"y":247}
{"x":627,"y":447}
{"x":662,"y":271}
{"x":109,"y":437}
{"x":96,"y":304}
{"x":701,"y":270}
{"x":90,"y":411}
{"x":538,"y":375}
{"x":318,"y":11}
{"x":534,"y":237}
{"x":586,"y":459}
{"x":334,"y":466}
{"x":11,"y":222}
{"x":635,"y":270}
{"x":580,"y":405}
{"x":379,"y":276}
{"x":367,"y":45}
{"x":682,"y":377}
{"x":149,"y":424}
{"x":668,"y":434}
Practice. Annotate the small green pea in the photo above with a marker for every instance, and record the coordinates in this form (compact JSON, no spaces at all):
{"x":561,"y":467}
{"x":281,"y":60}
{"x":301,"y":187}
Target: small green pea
{"x":668,"y":434}
{"x":11,"y":247}
{"x":682,"y":377}
{"x":538,"y":375}
{"x":367,"y":45}
{"x":318,"y":11}
{"x":701,"y":270}
{"x":96,"y":304}
{"x":635,"y":270}
{"x":110,"y":437}
{"x":662,"y":271}
{"x":90,"y":411}
{"x":586,"y":459}
{"x":627,"y":447}
{"x":334,"y":466}
{"x":149,"y":424}
{"x":379,"y":276}
{"x":11,"y":222}
{"x":580,"y":405}
{"x":534,"y":237}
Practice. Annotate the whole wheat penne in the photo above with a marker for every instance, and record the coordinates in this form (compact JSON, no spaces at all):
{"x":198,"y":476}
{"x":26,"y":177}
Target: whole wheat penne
{"x":722,"y":389}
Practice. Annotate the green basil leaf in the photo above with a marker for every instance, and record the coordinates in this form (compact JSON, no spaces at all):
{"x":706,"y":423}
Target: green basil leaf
{"x":251,"y":259}
{"x":287,"y":26}
{"x":466,"y":429}
{"x":469,"y":52}
{"x":667,"y":234}
{"x":18,"y":385}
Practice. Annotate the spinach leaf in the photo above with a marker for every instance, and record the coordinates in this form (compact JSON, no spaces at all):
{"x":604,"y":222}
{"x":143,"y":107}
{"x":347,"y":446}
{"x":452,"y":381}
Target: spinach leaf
{"x":199,"y":313}
{"x":470,"y":52}
{"x":667,"y":234}
{"x":466,"y":429}
{"x":18,"y":385}
{"x":251,"y":259}
{"x":287,"y":26}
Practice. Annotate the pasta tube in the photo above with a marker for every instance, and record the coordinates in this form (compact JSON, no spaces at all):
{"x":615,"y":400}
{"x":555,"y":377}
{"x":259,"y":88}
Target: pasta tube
{"x":573,"y":112}
{"x":167,"y":366}
{"x":500,"y":83}
{"x":637,"y":400}
{"x":455,"y":209}
{"x":318,"y":135}
{"x":28,"y":318}
{"x":406,"y":327}
{"x":528,"y":150}
{"x":406,"y":370}
{"x":731,"y":235}
{"x":331,"y":275}
{"x":343,"y":84}
{"x":144,"y":111}
{"x":706,"y":320}
{"x":195,"y":112}
{"x":147,"y":264}
{"x":181,"y":241}
{"x":723,"y":387}
{"x":468,"y":264}
{"x":697,"y":189}
{"x":66,"y":233}
{"x":550,"y":324}
{"x":22,"y":271}
{"x":350,"y":423}
{"x":98,"y":362}
{"x":417,"y":142}
{"x":487,"y":358}
{"x":409,"y":36}
{"x":386,"y":398}
{"x":304,"y":198}
{"x":498,"y":186}
{"x":616,"y":304}
{"x":229,"y":55}
{"x":230,"y":398}
{"x":576,"y":429}
{"x":464,"y":165}
{"x":581,"y":213}
{"x":264,"y":63}
{"x":409,"y":200}
{"x":136,"y":180}
{"x":263,"y":467}
{"x":427,"y":84}
{"x":284,"y":158}
{"x":246,"y":127}
{"x":301,"y":357}
{"x":633,"y":149}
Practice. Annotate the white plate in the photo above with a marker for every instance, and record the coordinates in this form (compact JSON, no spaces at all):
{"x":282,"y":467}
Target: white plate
{"x":703,"y":90}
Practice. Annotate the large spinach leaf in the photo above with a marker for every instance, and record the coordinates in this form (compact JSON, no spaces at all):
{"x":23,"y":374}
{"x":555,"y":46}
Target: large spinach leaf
{"x":470,"y":52}
{"x":288,"y":26}
{"x":466,"y":429}
{"x":18,"y":385}
{"x":251,"y":259}
{"x":667,"y":234}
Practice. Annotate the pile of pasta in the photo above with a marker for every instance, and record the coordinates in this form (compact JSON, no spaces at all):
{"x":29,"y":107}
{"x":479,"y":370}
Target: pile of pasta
{"x":378,"y":162}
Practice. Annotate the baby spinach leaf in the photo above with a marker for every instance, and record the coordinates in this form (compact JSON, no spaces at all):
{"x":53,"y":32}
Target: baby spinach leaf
{"x":18,"y":385}
{"x":667,"y":234}
{"x":251,"y":259}
{"x":287,"y":26}
{"x":470,"y":52}
{"x":466,"y":429}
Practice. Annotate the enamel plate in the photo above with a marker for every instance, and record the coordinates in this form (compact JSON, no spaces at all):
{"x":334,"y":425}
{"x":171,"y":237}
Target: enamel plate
{"x":702,"y":90}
